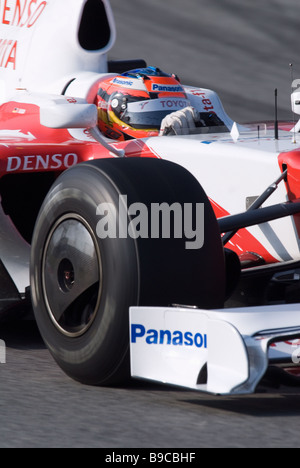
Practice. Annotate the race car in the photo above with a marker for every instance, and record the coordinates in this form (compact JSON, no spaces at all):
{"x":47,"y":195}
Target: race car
{"x":172,"y":258}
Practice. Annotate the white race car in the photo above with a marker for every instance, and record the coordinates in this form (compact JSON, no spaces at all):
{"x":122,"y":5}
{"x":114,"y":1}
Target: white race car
{"x":173,"y":258}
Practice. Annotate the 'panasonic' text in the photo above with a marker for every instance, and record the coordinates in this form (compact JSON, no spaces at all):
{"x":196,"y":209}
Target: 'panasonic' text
{"x":167,"y":337}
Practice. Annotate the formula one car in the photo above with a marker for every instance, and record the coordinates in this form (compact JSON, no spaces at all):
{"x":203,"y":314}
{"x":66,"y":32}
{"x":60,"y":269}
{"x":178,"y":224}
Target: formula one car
{"x":173,"y":258}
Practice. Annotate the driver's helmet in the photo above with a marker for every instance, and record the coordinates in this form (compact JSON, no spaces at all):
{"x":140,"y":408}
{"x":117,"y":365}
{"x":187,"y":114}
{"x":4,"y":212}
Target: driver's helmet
{"x":132,"y":105}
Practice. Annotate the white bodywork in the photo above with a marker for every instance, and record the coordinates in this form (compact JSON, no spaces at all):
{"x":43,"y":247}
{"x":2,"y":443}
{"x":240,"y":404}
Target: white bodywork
{"x":172,"y":345}
{"x":40,"y":49}
{"x":231,"y":170}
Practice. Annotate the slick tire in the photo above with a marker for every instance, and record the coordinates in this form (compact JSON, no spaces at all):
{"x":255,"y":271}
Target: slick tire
{"x":83,"y":281}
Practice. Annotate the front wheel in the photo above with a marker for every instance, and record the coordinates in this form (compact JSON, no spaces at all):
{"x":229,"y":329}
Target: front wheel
{"x":83,"y":283}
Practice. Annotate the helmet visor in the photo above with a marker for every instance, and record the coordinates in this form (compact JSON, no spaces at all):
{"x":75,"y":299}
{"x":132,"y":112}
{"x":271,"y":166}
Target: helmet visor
{"x":149,"y":114}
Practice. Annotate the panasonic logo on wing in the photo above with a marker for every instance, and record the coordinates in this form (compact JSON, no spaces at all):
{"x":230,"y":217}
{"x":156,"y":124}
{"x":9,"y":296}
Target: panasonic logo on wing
{"x":167,"y":337}
{"x":166,"y":88}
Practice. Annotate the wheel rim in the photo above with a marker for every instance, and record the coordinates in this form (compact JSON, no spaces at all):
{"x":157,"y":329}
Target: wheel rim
{"x":72,"y":275}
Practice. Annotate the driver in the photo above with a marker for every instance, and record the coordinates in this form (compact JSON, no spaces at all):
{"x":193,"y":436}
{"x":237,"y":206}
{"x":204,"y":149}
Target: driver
{"x":142,"y":103}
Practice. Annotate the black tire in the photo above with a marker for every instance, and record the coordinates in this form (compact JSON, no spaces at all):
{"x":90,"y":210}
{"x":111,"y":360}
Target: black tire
{"x":82,"y":286}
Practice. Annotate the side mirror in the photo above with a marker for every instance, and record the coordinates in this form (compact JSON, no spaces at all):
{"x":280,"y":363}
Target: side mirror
{"x":64,"y":113}
{"x":74,"y":113}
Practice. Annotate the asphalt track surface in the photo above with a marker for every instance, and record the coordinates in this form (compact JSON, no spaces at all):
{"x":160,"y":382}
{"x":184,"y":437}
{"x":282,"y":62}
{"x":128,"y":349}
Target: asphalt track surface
{"x":242,"y":49}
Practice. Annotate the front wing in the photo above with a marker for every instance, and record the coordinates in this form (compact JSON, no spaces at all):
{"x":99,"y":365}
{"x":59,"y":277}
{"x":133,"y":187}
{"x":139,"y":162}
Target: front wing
{"x":220,"y":352}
